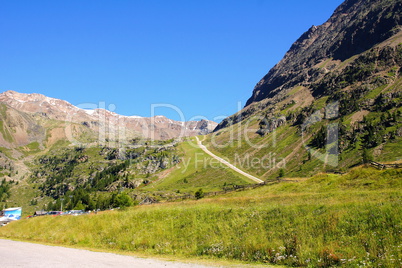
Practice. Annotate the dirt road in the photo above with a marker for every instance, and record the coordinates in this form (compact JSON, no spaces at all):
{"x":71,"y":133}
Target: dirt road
{"x":22,"y":254}
{"x":223,"y":161}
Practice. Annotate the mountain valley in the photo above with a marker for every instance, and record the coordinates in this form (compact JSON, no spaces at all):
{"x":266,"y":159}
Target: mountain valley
{"x":322,"y":130}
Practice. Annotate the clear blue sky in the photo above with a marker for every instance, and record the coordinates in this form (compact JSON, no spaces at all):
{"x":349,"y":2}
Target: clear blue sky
{"x":203,"y":56}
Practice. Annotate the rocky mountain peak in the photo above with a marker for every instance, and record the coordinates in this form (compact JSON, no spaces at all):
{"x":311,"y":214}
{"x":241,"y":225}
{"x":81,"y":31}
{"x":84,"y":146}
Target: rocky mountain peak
{"x":33,"y":97}
{"x":354,"y":27}
{"x":38,"y":103}
{"x":158,"y":127}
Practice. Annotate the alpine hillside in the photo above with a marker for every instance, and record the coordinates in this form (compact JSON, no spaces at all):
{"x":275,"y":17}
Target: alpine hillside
{"x":332,"y":102}
{"x":52,"y":148}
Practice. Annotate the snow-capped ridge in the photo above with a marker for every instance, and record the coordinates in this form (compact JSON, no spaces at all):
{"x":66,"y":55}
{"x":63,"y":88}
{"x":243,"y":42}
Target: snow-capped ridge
{"x":99,"y":119}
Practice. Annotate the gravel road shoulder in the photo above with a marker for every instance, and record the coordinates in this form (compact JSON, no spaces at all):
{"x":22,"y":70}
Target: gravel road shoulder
{"x":23,"y":254}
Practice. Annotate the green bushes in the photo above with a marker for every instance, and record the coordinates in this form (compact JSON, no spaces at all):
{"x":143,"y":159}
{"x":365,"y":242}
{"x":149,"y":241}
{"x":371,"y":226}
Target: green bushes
{"x":199,"y":194}
{"x":122,"y":200}
{"x":5,"y":187}
{"x":92,"y":177}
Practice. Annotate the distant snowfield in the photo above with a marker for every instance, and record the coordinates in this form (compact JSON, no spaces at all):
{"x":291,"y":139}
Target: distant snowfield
{"x":90,"y":112}
{"x":134,"y":116}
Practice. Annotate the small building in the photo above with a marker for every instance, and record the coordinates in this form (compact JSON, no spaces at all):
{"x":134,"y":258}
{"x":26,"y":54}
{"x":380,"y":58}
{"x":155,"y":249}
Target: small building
{"x":40,"y":213}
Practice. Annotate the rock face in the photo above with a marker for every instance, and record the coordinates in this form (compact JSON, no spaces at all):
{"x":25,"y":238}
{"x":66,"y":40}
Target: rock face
{"x":361,"y":39}
{"x":355,"y":26}
{"x":333,"y":102}
{"x":107,"y":123}
{"x":269,"y":125}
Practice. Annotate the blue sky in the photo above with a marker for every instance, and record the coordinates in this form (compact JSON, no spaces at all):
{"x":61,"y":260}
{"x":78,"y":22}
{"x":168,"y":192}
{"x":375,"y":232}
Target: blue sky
{"x":202,"y":56}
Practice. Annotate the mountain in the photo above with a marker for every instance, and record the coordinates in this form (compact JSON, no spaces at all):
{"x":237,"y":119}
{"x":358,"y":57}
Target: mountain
{"x":356,"y":27}
{"x":106,"y":124}
{"x":333,"y":102}
{"x":51,"y":148}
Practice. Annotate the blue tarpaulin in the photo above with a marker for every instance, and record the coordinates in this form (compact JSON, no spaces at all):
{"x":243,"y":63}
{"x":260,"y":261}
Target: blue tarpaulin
{"x":12,"y":213}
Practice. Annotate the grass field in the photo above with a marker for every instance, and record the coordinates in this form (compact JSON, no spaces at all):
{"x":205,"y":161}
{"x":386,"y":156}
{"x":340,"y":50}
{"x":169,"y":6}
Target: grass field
{"x":348,"y":220}
{"x":196,"y":170}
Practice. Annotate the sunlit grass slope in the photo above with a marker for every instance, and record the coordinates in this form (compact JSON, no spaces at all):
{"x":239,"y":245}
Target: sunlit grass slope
{"x":349,"y":220}
{"x":196,"y":170}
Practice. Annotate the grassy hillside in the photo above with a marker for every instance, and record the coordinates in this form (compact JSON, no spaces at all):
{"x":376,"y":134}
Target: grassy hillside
{"x":355,"y":118}
{"x":350,"y":220}
{"x":351,"y":115}
{"x":196,"y":170}
{"x":89,"y":178}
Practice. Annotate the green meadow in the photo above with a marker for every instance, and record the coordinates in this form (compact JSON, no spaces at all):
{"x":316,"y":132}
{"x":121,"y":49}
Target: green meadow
{"x":351,"y":220}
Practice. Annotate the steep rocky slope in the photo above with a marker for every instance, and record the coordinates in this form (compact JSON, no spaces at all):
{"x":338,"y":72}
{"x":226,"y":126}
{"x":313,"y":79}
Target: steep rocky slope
{"x":18,"y":128}
{"x":333,"y":101}
{"x":355,"y":27}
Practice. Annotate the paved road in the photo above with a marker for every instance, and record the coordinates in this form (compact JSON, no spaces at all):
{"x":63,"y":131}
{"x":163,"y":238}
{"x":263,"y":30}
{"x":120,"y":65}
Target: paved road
{"x":22,"y":254}
{"x":223,"y":161}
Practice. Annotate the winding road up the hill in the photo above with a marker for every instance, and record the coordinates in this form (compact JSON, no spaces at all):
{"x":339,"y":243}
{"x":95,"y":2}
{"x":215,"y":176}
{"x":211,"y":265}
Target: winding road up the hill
{"x":223,"y":161}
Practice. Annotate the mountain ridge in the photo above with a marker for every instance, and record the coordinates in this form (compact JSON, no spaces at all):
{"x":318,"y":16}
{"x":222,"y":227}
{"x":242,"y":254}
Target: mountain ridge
{"x":355,"y":27}
{"x":333,"y":102}
{"x":157,"y":127}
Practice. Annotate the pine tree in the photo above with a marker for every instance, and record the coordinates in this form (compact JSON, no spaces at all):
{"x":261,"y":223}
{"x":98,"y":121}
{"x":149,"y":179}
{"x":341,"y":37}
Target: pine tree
{"x":366,"y":156}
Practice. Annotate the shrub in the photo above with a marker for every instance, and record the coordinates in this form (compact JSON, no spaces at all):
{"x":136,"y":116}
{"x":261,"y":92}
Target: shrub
{"x":199,"y":194}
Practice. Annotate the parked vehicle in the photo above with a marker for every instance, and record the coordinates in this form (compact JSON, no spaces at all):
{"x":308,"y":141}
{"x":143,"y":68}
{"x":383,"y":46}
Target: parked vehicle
{"x":76,"y":212}
{"x":55,"y":213}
